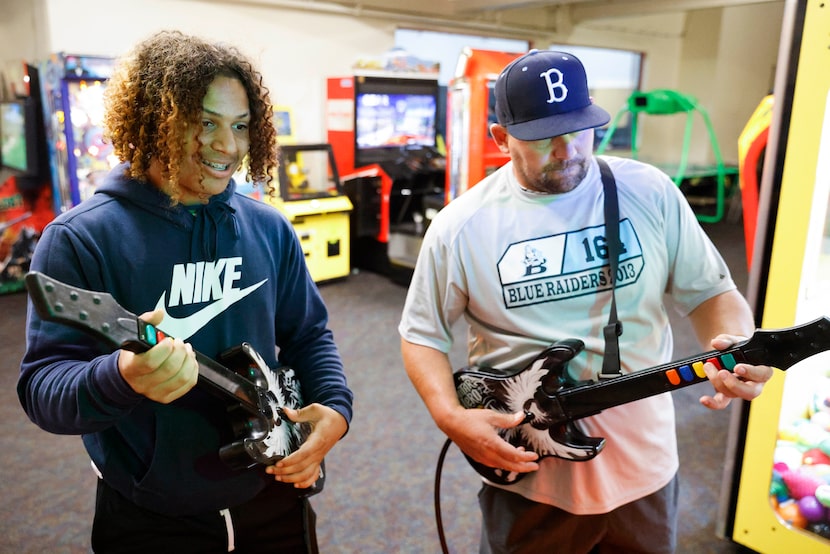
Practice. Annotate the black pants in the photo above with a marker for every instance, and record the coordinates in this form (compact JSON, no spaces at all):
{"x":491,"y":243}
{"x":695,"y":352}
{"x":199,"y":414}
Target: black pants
{"x":276,"y":520}
{"x":512,"y":524}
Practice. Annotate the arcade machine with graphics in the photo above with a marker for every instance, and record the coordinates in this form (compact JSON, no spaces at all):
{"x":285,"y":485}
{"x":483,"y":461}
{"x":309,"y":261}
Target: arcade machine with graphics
{"x":471,"y":108}
{"x":73,"y":88}
{"x":777,"y":470}
{"x":383,"y":128}
{"x":312,"y":197}
{"x":25,"y":194}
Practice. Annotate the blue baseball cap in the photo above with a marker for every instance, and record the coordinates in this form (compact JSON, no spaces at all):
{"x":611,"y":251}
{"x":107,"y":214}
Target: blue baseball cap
{"x":544,"y":94}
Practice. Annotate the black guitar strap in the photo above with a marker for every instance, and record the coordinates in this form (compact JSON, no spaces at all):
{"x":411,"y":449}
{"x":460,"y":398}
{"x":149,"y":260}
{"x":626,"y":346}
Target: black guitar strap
{"x":612,"y":331}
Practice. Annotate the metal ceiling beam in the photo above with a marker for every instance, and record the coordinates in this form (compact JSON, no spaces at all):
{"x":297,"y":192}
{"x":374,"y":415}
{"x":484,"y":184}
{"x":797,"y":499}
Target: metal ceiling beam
{"x":604,"y":9}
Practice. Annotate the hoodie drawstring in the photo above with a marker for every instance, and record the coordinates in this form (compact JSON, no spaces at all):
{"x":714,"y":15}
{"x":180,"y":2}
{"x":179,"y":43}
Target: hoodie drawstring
{"x":205,"y":239}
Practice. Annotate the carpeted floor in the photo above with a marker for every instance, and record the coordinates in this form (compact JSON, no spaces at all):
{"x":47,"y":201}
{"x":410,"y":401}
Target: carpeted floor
{"x":379,"y":492}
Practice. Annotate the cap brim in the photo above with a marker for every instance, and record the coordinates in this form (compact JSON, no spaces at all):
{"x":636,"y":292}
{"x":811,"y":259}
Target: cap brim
{"x":589,"y":117}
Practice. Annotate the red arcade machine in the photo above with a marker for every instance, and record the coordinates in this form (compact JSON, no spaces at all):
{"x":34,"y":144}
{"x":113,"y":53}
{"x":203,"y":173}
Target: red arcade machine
{"x":382,"y":126}
{"x":25,"y":194}
{"x":471,"y":108}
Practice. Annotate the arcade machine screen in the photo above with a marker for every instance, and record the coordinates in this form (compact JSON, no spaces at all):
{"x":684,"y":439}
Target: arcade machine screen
{"x":92,"y":154}
{"x":395,"y":120}
{"x":13,"y":139}
{"x":391,"y":114}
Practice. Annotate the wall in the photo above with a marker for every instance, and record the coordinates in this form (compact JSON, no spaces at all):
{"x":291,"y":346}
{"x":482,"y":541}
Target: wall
{"x":21,"y":33}
{"x":723,"y":57}
{"x":713,"y":54}
{"x":295,"y":50}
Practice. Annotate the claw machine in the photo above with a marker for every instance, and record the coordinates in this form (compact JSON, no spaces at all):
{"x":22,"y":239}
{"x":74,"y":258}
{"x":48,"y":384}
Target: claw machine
{"x":73,"y":92}
{"x":777,"y":480}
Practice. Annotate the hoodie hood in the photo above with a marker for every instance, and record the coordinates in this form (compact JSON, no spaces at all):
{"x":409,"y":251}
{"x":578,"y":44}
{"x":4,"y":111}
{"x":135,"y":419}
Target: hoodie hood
{"x":209,"y":223}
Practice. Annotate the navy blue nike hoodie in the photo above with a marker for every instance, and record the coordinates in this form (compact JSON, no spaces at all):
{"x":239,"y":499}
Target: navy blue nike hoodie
{"x":228,"y":272}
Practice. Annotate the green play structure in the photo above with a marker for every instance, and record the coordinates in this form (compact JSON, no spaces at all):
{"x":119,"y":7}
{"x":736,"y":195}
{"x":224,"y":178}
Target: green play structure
{"x":668,"y":102}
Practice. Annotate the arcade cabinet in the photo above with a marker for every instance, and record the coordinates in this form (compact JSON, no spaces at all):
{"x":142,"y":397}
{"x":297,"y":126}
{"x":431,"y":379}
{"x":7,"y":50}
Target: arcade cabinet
{"x":752,"y":144}
{"x":777,"y":470}
{"x":25,"y":192}
{"x":73,"y":88}
{"x":312,"y":197}
{"x":382,"y":127}
{"x":471,"y":108}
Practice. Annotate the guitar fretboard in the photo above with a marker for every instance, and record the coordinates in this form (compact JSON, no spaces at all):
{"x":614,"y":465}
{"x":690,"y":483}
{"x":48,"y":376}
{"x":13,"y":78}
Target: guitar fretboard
{"x":591,"y":398}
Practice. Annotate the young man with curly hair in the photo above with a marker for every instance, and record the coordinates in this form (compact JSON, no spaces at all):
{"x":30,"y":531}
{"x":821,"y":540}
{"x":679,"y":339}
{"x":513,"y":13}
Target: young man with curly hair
{"x":168,"y":237}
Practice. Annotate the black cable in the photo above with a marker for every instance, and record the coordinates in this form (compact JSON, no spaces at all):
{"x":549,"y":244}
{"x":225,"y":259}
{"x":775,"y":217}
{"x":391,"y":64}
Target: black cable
{"x":439,"y":523}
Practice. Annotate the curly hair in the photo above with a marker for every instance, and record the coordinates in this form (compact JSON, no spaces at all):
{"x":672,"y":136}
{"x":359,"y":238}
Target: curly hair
{"x":155,"y":95}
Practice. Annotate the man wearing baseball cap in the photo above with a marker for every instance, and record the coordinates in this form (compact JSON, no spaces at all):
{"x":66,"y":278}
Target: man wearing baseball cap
{"x":523,"y":256}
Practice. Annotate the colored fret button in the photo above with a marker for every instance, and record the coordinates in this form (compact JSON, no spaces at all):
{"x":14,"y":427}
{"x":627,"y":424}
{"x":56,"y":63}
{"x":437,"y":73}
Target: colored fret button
{"x":715,"y":362}
{"x":673,"y":376}
{"x":698,"y":367}
{"x":728,"y":361}
{"x":150,"y":334}
{"x":686,"y":373}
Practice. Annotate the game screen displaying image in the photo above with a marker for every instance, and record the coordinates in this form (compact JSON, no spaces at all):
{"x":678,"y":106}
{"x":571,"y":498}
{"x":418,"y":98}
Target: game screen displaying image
{"x":388,"y":120}
{"x":13,"y":133}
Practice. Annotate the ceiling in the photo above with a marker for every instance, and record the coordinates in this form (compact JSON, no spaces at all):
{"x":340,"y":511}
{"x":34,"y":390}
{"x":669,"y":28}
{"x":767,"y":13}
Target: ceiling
{"x":578,"y":10}
{"x":519,"y":18}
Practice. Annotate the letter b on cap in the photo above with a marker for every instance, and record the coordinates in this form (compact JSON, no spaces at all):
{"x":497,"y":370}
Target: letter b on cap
{"x":557,"y":91}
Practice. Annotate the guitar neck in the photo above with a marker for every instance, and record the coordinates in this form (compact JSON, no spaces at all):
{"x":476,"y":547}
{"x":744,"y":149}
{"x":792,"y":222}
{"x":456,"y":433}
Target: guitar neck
{"x":99,"y":315}
{"x":225,"y":382}
{"x":779,"y":348}
{"x":589,"y":399}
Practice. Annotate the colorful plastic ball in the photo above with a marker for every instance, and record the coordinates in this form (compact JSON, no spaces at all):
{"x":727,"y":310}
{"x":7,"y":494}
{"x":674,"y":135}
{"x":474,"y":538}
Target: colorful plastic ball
{"x":788,"y":456}
{"x":801,"y":484}
{"x":789,"y":512}
{"x":823,"y":495}
{"x":780,"y":467}
{"x":815,"y":456}
{"x":811,"y":509}
{"x":778,"y":490}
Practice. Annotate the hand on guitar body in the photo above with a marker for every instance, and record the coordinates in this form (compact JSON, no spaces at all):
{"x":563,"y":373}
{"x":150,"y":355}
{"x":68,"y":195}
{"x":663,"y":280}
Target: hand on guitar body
{"x":304,"y":466}
{"x":163,"y":373}
{"x":477,"y":432}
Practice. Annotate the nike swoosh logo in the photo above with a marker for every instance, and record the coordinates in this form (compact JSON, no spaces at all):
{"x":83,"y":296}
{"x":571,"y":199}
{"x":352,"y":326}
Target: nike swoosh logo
{"x":185,"y":327}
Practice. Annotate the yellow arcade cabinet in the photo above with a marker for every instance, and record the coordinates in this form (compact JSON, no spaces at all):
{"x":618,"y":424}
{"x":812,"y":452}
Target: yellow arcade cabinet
{"x":312,"y":197}
{"x":777,"y":477}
